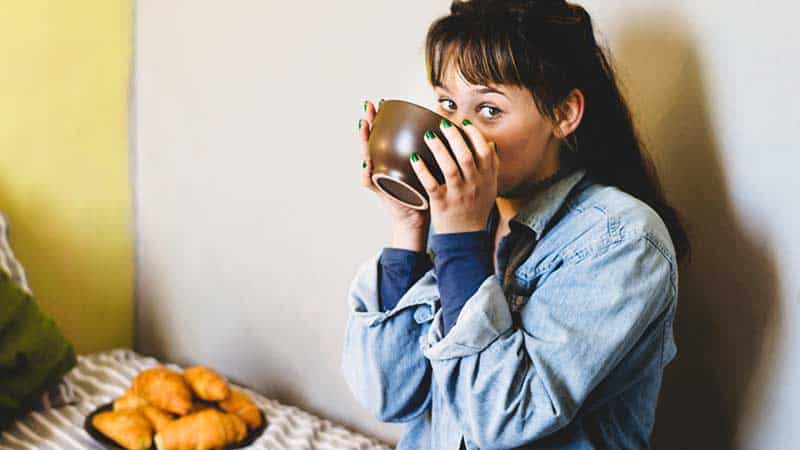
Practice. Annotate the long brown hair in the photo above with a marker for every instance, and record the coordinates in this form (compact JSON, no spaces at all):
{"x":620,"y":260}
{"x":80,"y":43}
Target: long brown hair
{"x":549,"y":47}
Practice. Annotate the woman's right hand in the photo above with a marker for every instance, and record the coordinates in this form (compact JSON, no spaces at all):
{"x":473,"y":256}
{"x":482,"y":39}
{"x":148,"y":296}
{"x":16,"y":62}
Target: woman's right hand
{"x":410,"y":225}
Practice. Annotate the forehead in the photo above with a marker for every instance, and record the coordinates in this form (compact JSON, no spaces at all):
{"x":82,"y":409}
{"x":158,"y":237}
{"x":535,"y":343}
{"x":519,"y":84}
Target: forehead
{"x":465,"y":65}
{"x":454,"y":83}
{"x":453,"y":78}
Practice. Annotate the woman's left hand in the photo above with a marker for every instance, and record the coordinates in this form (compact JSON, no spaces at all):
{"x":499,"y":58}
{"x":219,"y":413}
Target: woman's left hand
{"x":466,"y":199}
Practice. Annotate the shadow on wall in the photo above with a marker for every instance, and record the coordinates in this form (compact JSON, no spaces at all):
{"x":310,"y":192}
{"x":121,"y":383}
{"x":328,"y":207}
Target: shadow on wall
{"x":729,"y":294}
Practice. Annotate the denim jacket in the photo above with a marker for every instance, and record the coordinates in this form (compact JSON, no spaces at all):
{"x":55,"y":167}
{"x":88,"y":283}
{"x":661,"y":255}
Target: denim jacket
{"x":562,"y":348}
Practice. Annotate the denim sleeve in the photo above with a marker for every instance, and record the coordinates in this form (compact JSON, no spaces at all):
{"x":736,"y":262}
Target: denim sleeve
{"x":509,"y":382}
{"x":382,"y":359}
{"x":463,"y":261}
{"x":398,"y":270}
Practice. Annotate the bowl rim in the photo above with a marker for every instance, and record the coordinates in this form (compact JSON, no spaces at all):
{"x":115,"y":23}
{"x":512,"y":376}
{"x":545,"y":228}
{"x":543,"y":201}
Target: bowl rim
{"x":381,"y":176}
{"x":418,"y":106}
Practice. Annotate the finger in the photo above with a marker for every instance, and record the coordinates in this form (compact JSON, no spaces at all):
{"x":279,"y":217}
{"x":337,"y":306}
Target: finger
{"x":452,"y":176}
{"x":369,"y":111}
{"x":495,"y":159}
{"x":365,"y":128}
{"x":366,"y":121}
{"x":429,"y":182}
{"x":464,"y":157}
{"x":483,"y":153}
{"x":366,"y":167}
{"x":366,"y":162}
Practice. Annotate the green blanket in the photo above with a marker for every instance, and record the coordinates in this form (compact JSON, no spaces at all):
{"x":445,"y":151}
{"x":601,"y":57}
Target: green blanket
{"x":33,"y":352}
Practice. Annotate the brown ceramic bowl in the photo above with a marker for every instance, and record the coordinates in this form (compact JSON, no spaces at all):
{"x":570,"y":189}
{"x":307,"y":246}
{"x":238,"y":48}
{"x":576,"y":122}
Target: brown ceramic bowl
{"x":398,"y":131}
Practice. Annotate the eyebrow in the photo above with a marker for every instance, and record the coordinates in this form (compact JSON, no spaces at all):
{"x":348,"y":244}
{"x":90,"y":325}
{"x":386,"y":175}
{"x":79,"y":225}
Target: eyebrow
{"x":485,"y":90}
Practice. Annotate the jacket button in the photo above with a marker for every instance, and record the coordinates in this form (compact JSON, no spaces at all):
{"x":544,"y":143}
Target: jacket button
{"x":423,"y":314}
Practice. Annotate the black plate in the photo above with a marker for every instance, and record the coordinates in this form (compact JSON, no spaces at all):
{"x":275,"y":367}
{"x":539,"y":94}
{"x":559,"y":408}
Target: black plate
{"x":252,"y":435}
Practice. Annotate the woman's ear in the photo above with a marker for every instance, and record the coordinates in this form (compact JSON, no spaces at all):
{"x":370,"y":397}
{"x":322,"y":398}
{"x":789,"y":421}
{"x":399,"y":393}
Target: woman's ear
{"x":570,"y":113}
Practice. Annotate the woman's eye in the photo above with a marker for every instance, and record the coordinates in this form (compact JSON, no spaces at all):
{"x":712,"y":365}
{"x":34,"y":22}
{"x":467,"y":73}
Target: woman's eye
{"x":449,"y":106}
{"x":446,"y":102}
{"x":494,"y":112}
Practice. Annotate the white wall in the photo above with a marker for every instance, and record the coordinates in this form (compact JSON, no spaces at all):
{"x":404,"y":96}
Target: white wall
{"x":251,"y":222}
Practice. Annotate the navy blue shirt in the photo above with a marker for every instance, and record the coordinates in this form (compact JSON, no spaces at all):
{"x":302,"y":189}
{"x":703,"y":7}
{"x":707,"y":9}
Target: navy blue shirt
{"x":462,"y":262}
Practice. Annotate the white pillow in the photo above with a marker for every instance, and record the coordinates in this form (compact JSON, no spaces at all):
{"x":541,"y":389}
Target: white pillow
{"x":8,"y":263}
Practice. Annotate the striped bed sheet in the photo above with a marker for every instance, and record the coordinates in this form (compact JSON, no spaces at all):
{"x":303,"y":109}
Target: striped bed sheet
{"x":101,"y":377}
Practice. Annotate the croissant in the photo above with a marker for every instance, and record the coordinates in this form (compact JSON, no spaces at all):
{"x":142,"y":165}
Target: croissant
{"x":158,"y":418}
{"x":204,"y":430}
{"x":199,"y":406}
{"x":240,"y":404}
{"x":126,"y":427}
{"x":129,"y":400}
{"x":206,"y":383}
{"x":163,"y":388}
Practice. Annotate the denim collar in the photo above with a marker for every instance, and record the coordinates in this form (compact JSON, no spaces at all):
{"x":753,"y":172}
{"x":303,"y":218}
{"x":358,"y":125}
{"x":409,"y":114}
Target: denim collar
{"x":541,"y":208}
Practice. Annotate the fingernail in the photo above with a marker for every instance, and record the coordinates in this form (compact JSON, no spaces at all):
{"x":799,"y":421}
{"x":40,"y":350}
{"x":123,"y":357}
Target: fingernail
{"x":446,"y":123}
{"x":414,"y":157}
{"x":363,"y":164}
{"x":466,"y":122}
{"x":429,"y":135}
{"x":365,"y":105}
{"x":359,"y":124}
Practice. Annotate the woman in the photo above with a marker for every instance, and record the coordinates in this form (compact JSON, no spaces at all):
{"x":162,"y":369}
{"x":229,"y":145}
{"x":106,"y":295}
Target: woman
{"x":545,"y":317}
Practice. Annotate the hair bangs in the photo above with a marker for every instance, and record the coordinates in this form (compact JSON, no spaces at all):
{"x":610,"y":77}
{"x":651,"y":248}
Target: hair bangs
{"x":480,"y":57}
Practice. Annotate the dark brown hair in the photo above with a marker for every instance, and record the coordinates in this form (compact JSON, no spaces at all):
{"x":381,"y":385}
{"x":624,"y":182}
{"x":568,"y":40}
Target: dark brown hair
{"x":549,"y":48}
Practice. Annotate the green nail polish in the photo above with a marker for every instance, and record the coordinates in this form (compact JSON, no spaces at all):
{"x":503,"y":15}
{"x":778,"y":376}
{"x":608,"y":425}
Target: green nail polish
{"x":365,"y":105}
{"x":363,"y":164}
{"x":414,"y":157}
{"x":429,"y":135}
{"x":446,"y":123}
{"x":379,"y":103}
{"x":359,"y":124}
{"x":466,"y":122}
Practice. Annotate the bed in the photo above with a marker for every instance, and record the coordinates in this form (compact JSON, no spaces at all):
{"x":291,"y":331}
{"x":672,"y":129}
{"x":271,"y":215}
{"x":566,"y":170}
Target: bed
{"x":99,"y":378}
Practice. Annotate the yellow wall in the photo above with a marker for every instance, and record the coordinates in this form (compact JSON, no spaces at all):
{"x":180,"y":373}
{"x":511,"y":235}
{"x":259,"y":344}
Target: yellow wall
{"x":64,"y":71}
